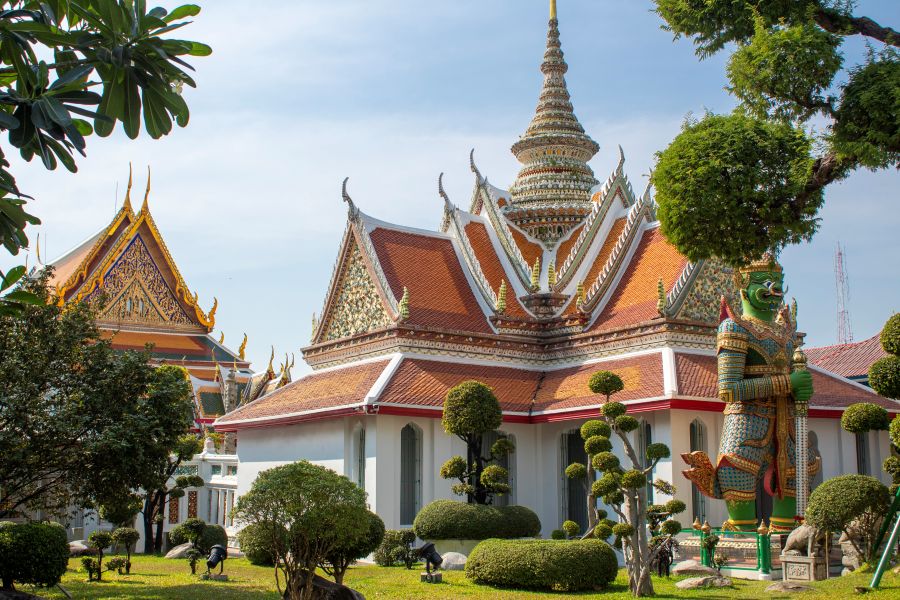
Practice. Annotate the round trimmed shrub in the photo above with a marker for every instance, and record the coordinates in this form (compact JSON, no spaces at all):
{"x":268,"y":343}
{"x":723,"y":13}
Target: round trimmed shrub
{"x":452,"y":520}
{"x":675,"y":506}
{"x":32,"y":553}
{"x":607,"y":484}
{"x":890,"y":335}
{"x":557,"y":534}
{"x":670,"y":527}
{"x":623,"y":530}
{"x":210,"y":535}
{"x":611,"y":410}
{"x":864,"y":416}
{"x":597,"y":444}
{"x":595,"y":427}
{"x":471,"y":407}
{"x":576,"y":471}
{"x":602,"y":531}
{"x":633,"y":479}
{"x":884,"y":376}
{"x":836,"y":502}
{"x":255,"y":541}
{"x":606,"y":383}
{"x":571,"y":528}
{"x":658,"y":450}
{"x":626,"y":423}
{"x":605,"y":461}
{"x":564,"y":566}
{"x":894,"y":430}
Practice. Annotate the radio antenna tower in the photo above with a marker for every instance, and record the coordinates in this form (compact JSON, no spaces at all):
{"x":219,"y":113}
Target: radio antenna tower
{"x":844,"y":330}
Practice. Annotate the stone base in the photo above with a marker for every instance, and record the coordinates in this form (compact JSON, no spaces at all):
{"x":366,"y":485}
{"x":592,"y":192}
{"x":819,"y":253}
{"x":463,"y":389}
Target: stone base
{"x":214,"y":577}
{"x":432,"y":578}
{"x":803,"y":568}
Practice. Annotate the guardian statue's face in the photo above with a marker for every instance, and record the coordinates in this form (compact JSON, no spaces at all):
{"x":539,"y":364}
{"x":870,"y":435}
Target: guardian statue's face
{"x":764,"y":291}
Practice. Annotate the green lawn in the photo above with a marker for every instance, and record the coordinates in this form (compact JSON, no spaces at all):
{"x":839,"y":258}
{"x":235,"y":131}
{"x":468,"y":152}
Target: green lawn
{"x":158,"y":578}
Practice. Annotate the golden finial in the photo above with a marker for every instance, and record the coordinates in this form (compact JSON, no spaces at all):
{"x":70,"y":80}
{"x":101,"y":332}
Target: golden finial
{"x":706,"y":527}
{"x":212,"y":312}
{"x":270,"y":370}
{"x":501,"y":297}
{"x":243,"y":347}
{"x":404,"y":305}
{"x":222,"y":338}
{"x":696,"y":526}
{"x":536,"y":274}
{"x":552,"y":9}
{"x":799,"y":360}
{"x":763,"y":529}
{"x":127,"y":202}
{"x":145,"y":207}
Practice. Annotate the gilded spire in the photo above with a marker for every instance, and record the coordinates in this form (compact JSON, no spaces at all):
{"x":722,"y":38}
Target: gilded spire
{"x":145,"y":207}
{"x":243,"y":348}
{"x":127,"y":202}
{"x":552,"y":191}
{"x":270,"y":370}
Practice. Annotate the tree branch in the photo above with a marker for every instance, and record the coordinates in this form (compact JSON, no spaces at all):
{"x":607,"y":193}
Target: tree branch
{"x":826,"y":169}
{"x":834,"y":22}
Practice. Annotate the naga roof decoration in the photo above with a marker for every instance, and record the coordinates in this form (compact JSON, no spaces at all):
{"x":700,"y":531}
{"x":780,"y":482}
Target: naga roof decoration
{"x":531,"y":291}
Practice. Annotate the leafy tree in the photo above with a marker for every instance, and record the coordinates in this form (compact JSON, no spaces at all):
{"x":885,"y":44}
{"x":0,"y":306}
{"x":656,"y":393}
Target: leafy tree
{"x":32,"y":554}
{"x":106,"y":60}
{"x":857,"y":501}
{"x":470,"y":410}
{"x":339,"y":560}
{"x":164,"y":485}
{"x":127,"y":537}
{"x":736,"y":185}
{"x":884,"y":374}
{"x":70,"y":409}
{"x":625,"y":489}
{"x":100,"y":540}
{"x":319,"y":509}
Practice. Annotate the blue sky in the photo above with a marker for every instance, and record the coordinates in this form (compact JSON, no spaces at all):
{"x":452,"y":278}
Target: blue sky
{"x":298,"y":95}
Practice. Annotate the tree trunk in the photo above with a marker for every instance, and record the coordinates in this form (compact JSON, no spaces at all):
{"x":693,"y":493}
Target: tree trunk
{"x":148,"y":524}
{"x":339,"y":577}
{"x":8,"y":584}
{"x":159,"y":517}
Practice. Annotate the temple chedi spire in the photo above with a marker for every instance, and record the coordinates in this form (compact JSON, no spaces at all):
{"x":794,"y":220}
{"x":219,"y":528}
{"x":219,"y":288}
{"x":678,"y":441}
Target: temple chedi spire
{"x":552,"y":192}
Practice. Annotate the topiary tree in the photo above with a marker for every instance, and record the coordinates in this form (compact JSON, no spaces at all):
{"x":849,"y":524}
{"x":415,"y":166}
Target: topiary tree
{"x":737,"y":185}
{"x":254,"y":541}
{"x":128,"y":537}
{"x":193,"y":556}
{"x":864,"y":416}
{"x":320,"y":511}
{"x":193,"y":529}
{"x":32,"y":554}
{"x":470,"y":410}
{"x":624,"y":487}
{"x":100,"y":540}
{"x":396,"y":547}
{"x":860,"y":501}
{"x":884,"y":374}
{"x":341,"y":557}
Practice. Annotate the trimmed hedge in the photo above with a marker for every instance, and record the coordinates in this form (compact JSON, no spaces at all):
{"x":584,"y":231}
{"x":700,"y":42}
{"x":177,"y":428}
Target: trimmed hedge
{"x":565,"y":566}
{"x":33,"y":553}
{"x":452,"y":520}
{"x":212,"y":535}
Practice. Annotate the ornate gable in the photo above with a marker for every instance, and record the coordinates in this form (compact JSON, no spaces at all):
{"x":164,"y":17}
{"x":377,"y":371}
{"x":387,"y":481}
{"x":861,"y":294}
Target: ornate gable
{"x":137,"y":292}
{"x":356,"y":306}
{"x":701,"y":300}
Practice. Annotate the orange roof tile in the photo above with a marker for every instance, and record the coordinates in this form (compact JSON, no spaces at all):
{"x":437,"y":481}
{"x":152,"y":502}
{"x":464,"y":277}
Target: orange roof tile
{"x":530,"y":251}
{"x":849,"y":360}
{"x":565,"y":247}
{"x":568,"y":388}
{"x":696,"y":375}
{"x":439,"y":293}
{"x":491,"y":265}
{"x":634,"y":300}
{"x":340,"y":387}
{"x":426,"y":382}
{"x":605,"y":250}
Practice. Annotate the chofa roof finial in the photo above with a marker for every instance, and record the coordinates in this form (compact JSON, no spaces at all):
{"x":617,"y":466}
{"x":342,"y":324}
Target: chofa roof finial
{"x":447,"y":204}
{"x":145,"y":207}
{"x":352,"y":211}
{"x":473,"y":167}
{"x":127,"y":202}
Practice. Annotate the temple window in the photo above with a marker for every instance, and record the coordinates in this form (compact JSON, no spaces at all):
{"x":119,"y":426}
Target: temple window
{"x":410,"y":473}
{"x":508,"y":462}
{"x":863,"y":461}
{"x":574,"y":501}
{"x":698,"y":442}
{"x":644,"y":437}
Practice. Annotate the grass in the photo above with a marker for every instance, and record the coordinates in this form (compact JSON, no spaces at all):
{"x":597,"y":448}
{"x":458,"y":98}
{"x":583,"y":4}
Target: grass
{"x":155,"y":578}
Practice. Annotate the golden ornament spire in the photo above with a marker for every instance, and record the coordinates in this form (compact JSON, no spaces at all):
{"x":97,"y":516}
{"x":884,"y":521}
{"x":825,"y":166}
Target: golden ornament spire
{"x":145,"y":207}
{"x":270,"y":370}
{"x":222,"y":337}
{"x":553,"y":9}
{"x":243,"y":348}
{"x":127,"y":202}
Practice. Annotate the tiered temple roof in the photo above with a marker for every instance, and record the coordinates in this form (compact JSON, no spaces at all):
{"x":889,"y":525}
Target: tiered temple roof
{"x":530,"y":291}
{"x":147,"y":301}
{"x":848,"y":360}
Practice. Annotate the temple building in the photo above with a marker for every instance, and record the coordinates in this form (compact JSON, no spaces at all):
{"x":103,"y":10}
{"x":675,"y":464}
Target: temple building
{"x":851,"y":360}
{"x":529,"y":289}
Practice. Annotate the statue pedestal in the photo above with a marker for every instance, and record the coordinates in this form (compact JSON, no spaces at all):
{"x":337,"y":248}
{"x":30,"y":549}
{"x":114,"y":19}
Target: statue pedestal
{"x":432,"y":578}
{"x":803,"y":568}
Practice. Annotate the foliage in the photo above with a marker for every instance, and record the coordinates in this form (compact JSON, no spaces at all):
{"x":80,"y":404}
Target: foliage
{"x":451,"y":520}
{"x":894,"y":431}
{"x":92,"y":567}
{"x":611,"y":410}
{"x":727,"y":187}
{"x":571,"y":528}
{"x":576,"y":471}
{"x":318,"y":508}
{"x":864,"y":416}
{"x":734,"y":186}
{"x":32,"y":554}
{"x":127,"y":537}
{"x":100,"y":540}
{"x":121,"y":511}
{"x":719,"y":560}
{"x":543,"y":564}
{"x":117,"y":564}
{"x":858,"y":501}
{"x":884,"y":376}
{"x":558,"y":534}
{"x":193,"y":556}
{"x":396,"y":547}
{"x":255,"y":542}
{"x":470,"y":410}
{"x":340,"y":559}
{"x":606,"y":383}
{"x":890,"y":335}
{"x":710,"y":542}
{"x":595,"y":427}
{"x":199,"y":533}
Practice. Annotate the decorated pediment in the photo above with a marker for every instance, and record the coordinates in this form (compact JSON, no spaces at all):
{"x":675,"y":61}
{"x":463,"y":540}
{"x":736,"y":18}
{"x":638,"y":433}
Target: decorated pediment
{"x":702,"y":300}
{"x":355,"y":305}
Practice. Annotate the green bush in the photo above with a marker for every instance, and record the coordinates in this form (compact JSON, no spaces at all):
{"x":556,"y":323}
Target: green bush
{"x":890,"y":335}
{"x":543,"y":564}
{"x":32,"y":554}
{"x":571,"y":528}
{"x":557,"y":534}
{"x":395,"y":546}
{"x":858,"y":499}
{"x":606,"y":383}
{"x":255,"y":541}
{"x":884,"y":376}
{"x":864,"y":416}
{"x":210,"y":535}
{"x":451,"y":520}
